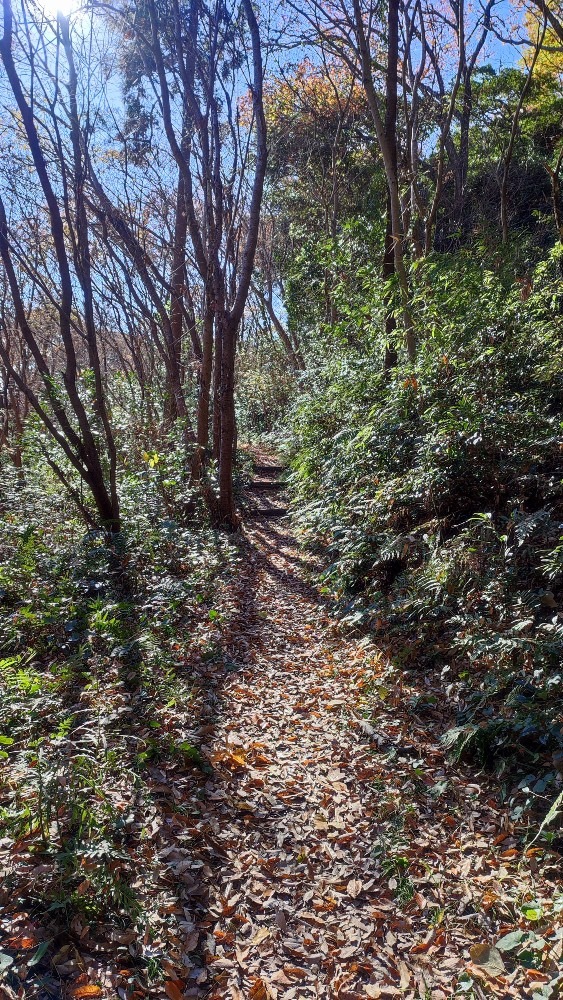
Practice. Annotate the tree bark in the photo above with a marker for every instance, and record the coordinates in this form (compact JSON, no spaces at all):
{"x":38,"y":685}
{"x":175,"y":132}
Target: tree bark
{"x":388,"y":270}
{"x":175,"y":405}
{"x":226,"y":516}
{"x":387,"y":140}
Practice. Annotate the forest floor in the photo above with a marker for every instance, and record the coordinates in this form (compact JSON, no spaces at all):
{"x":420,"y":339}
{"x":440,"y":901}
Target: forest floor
{"x":328,"y":849}
{"x":350,"y":859}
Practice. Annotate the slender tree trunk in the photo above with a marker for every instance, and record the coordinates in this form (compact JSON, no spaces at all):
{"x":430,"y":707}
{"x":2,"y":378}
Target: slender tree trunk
{"x":513,"y":135}
{"x":463,"y":158}
{"x":387,"y":273}
{"x":72,"y":430}
{"x":204,"y":394}
{"x":175,"y":403}
{"x":226,"y":516}
{"x":292,"y":352}
{"x":84,"y":272}
{"x":556,"y":198}
{"x":211,"y":230}
{"x":394,"y":202}
{"x":217,"y":365}
{"x":386,"y":132}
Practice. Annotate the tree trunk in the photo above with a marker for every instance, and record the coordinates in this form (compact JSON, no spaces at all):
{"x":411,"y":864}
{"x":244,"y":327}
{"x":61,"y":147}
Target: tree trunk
{"x":387,"y":273}
{"x":386,"y":132}
{"x":204,"y":394}
{"x":175,"y":404}
{"x":217,"y":414}
{"x":513,"y":134}
{"x":226,"y":515}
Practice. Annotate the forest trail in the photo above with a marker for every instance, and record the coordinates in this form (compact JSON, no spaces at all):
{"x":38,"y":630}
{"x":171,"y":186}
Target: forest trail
{"x":308,"y":839}
{"x":331,"y":852}
{"x":290,"y":806}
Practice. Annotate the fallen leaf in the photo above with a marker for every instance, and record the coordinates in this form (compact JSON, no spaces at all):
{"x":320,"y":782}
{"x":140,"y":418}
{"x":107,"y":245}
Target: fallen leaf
{"x":258,"y":990}
{"x":488,"y":958}
{"x":354,"y":888}
{"x":5,"y":961}
{"x":511,"y":941}
{"x":536,"y":976}
{"x":173,"y":990}
{"x":261,"y":934}
{"x":405,"y":974}
{"x":22,"y":943}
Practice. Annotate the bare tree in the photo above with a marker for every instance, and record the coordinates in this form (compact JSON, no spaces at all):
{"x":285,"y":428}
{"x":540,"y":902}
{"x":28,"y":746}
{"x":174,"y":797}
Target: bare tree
{"x":198,"y":54}
{"x":49,"y":130}
{"x":507,"y":160}
{"x":353,"y":32}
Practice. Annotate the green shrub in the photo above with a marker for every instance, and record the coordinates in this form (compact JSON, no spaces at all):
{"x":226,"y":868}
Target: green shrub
{"x":438,"y":492}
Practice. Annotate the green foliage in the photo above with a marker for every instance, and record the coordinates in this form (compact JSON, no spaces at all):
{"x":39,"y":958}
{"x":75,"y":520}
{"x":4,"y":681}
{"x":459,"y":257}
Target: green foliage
{"x":265,"y":382}
{"x":333,"y":286}
{"x":91,"y":665}
{"x":438,"y":493}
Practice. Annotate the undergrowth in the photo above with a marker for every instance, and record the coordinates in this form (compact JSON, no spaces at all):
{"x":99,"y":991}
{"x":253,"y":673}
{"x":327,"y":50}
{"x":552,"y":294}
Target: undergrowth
{"x":438,"y":493}
{"x":97,"y":639}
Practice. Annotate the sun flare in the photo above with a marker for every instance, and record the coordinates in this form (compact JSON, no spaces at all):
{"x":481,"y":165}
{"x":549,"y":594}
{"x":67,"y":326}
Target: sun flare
{"x":52,"y":8}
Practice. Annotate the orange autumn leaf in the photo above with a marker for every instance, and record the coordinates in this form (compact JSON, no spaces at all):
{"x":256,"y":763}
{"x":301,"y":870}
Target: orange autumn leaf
{"x":536,"y":976}
{"x":22,"y":943}
{"x":258,"y":990}
{"x":502,"y":836}
{"x":489,"y":899}
{"x":172,"y":990}
{"x":84,"y":992}
{"x":422,"y":946}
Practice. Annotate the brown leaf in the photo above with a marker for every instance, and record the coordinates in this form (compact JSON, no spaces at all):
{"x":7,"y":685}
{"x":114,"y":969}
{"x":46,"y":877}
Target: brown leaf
{"x":172,"y":990}
{"x":488,"y":958}
{"x":83,"y":992}
{"x":405,"y":974}
{"x":259,"y":991}
{"x":354,"y":888}
{"x":422,"y":946}
{"x":295,"y":971}
{"x":261,"y":934}
{"x":280,"y":977}
{"x":24,"y":943}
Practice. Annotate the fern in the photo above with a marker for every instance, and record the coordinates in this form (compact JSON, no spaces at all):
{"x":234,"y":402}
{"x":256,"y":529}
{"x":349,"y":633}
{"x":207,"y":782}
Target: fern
{"x":479,"y":742}
{"x":526,"y":526}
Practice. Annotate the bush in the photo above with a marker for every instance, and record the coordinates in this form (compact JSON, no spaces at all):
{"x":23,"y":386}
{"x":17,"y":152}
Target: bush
{"x":439,"y":494}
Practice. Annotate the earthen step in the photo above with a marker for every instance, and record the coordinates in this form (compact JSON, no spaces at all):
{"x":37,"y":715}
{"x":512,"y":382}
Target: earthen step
{"x":269,"y":512}
{"x":272,"y":471}
{"x":259,"y":485}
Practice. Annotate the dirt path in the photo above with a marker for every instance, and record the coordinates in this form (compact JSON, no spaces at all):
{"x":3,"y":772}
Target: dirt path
{"x":295,"y":906}
{"x":339,"y":861}
{"x":290,"y":807}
